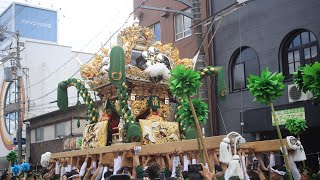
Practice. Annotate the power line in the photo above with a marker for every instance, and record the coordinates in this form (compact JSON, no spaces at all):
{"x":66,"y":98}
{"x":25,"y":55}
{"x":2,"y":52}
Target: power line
{"x":93,"y":56}
{"x":116,"y":31}
{"x":52,"y":91}
{"x":11,"y":17}
{"x":48,"y":103}
{"x":34,"y":107}
{"x":72,"y":58}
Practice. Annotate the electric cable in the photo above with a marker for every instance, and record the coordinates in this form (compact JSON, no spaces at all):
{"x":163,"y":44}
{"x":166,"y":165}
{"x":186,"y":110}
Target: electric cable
{"x":69,"y":60}
{"x":52,"y":91}
{"x":241,"y":81}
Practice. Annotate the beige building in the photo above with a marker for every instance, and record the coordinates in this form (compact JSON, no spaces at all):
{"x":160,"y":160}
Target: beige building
{"x":56,"y":131}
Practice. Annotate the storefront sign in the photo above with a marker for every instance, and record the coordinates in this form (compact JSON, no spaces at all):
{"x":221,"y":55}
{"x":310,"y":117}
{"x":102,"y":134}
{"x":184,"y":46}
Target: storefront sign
{"x":36,"y":23}
{"x":294,"y":113}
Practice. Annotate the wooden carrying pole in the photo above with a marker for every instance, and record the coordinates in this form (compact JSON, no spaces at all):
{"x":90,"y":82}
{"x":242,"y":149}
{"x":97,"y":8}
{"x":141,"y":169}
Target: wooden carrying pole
{"x":286,"y":160}
{"x":168,"y":148}
{"x":205,"y":152}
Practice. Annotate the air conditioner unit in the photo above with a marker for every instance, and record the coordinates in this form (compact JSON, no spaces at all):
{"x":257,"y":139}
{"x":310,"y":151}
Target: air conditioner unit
{"x":295,"y":94}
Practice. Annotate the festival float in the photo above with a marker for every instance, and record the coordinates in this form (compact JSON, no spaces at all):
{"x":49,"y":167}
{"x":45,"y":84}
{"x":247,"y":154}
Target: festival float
{"x":137,"y":81}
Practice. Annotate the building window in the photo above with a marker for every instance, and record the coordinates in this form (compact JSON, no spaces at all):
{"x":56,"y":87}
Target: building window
{"x":182,"y":26}
{"x":60,"y":130}
{"x":300,"y":48}
{"x":39,"y":134}
{"x":155,"y":28}
{"x":244,"y":62}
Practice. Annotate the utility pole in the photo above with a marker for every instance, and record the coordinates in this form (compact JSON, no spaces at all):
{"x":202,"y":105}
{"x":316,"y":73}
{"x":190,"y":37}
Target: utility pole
{"x":19,"y":76}
{"x":17,"y":71}
{"x":201,"y":62}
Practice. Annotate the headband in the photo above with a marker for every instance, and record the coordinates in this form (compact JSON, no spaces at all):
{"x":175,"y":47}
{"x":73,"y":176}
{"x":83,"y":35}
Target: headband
{"x":75,"y":175}
{"x":281,"y":173}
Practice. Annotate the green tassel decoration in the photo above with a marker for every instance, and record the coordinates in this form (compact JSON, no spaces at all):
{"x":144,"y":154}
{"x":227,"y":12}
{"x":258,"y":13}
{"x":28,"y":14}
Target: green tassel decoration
{"x":62,"y":98}
{"x":191,"y":133}
{"x":78,"y":109}
{"x":134,"y":132}
{"x":117,"y":66}
{"x":216,"y":71}
{"x":118,"y":77}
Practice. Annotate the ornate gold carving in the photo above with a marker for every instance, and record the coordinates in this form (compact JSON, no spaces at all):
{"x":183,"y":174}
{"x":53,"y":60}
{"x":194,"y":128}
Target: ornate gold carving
{"x":173,"y":54}
{"x":97,"y":60}
{"x":135,"y":36}
{"x":156,"y":132}
{"x":94,"y":135}
{"x":164,"y":111}
{"x":88,"y":71}
{"x":185,"y":61}
{"x":133,"y":70}
{"x":138,"y":107}
{"x":155,"y":117}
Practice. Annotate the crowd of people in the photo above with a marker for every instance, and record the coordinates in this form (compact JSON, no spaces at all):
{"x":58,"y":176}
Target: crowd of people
{"x":165,"y":166}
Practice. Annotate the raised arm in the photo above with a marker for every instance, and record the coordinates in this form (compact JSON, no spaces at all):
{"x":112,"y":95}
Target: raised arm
{"x":100,"y":166}
{"x":51,"y":166}
{"x":97,"y":172}
{"x":206,"y":174}
{"x":137,"y":171}
{"x":145,"y":164}
{"x":215,"y":158}
{"x":186,"y":162}
{"x":293,"y":167}
{"x":69,"y":166}
{"x":84,"y":166}
{"x":78,"y":163}
{"x":105,"y":169}
{"x":262,"y":165}
{"x":63,"y":168}
{"x":117,"y":163}
{"x":193,"y":158}
{"x":123,"y":158}
{"x":93,"y":163}
{"x":169,"y":162}
{"x":57,"y":167}
{"x":260,"y":173}
{"x":272,"y":160}
{"x":88,"y":173}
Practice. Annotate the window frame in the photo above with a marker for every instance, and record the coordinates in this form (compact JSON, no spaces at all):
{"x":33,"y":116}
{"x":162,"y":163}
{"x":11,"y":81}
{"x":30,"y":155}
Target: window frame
{"x":183,"y":26}
{"x":64,"y":123}
{"x":285,"y":49}
{"x":233,"y":63}
{"x":36,"y":135}
{"x":152,"y":27}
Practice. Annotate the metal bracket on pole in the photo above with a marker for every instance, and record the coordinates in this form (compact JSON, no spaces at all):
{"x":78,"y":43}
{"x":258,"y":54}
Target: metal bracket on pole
{"x":190,"y":15}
